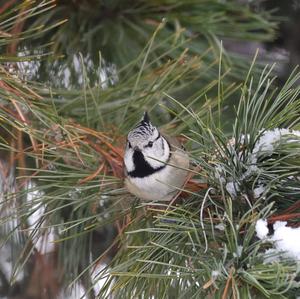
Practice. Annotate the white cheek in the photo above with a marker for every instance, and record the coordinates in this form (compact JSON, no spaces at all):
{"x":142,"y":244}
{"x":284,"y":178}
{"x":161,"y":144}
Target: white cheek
{"x":154,"y":162}
{"x":156,"y":156}
{"x":153,"y":159}
{"x":128,"y":160}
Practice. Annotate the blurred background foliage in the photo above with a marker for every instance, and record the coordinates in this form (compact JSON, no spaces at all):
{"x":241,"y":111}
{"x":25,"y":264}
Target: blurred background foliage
{"x":75,"y":76}
{"x":119,"y":30}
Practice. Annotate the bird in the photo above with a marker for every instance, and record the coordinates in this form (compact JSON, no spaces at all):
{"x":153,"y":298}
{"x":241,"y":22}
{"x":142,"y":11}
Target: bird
{"x":155,"y":165}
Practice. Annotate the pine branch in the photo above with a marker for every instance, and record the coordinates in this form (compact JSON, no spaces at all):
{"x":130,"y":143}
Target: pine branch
{"x":63,"y":199}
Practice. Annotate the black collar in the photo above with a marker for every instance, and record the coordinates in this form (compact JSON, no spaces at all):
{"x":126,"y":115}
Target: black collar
{"x":142,"y":167}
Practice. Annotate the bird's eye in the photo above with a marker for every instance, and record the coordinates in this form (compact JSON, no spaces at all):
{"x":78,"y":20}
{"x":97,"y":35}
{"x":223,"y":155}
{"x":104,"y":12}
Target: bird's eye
{"x":129,"y":144}
{"x":150,"y":143}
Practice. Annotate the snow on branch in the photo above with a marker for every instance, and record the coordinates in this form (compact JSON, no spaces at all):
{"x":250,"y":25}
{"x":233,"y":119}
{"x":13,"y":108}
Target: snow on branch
{"x":243,"y":161}
{"x":285,"y":240}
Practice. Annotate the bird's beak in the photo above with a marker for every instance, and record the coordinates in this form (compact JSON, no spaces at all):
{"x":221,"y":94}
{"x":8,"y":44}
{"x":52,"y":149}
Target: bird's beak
{"x":136,"y":149}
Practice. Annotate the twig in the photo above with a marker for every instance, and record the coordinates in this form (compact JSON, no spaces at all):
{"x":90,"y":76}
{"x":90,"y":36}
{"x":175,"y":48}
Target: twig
{"x":224,"y":296}
{"x":93,"y":175}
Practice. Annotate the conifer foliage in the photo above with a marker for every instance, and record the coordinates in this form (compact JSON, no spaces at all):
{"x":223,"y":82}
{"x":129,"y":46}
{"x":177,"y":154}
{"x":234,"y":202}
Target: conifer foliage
{"x":75,"y":77}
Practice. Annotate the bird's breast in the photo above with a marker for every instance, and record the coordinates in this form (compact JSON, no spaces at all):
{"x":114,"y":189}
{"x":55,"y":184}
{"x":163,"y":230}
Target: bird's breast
{"x":142,"y":168}
{"x":161,"y":185}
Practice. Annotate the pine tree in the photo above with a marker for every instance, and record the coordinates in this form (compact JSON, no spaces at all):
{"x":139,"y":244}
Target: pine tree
{"x":75,"y":77}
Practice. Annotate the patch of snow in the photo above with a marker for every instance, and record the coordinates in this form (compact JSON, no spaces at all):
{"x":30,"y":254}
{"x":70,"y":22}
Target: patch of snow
{"x":99,"y":277}
{"x":215,"y":274}
{"x":8,"y":201}
{"x":261,"y":228}
{"x":66,"y":77}
{"x":286,"y":240}
{"x":76,"y":292}
{"x":258,"y":191}
{"x":232,"y":188}
{"x":77,"y":64}
{"x":10,"y":234}
{"x":266,"y":142}
{"x":220,"y":173}
{"x":7,"y":260}
{"x":43,"y":237}
{"x":220,"y":226}
{"x":239,"y":250}
{"x":103,"y":79}
{"x":45,"y":243}
{"x":107,"y":75}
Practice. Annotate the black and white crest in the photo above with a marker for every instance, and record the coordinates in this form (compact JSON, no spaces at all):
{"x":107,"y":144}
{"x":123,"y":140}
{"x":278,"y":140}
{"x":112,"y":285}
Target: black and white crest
{"x":143,"y":130}
{"x":145,"y":118}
